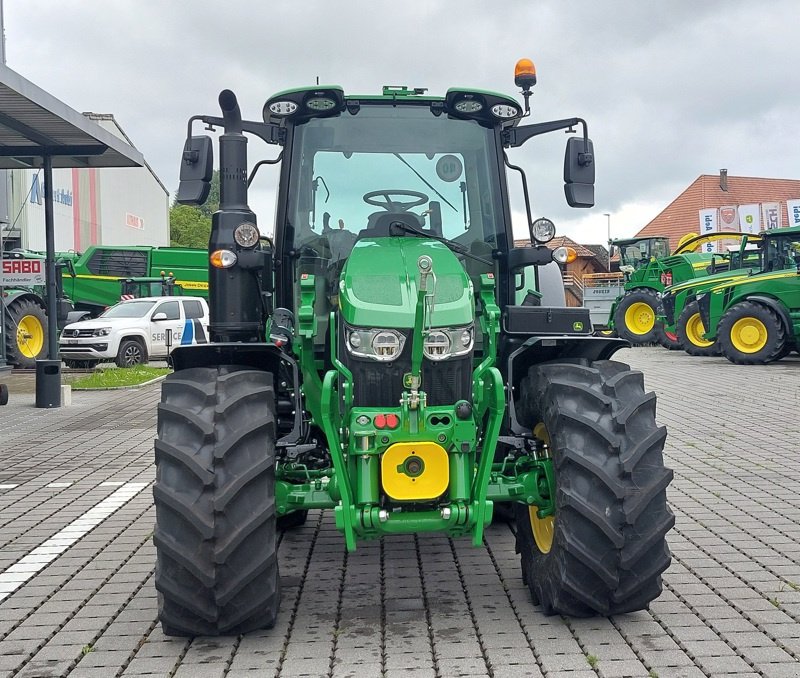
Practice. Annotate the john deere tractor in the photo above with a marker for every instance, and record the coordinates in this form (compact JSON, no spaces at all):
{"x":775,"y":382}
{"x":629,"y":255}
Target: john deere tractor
{"x":371,"y":359}
{"x":755,"y":319}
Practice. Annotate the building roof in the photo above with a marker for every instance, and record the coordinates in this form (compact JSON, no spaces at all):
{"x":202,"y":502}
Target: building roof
{"x":33,"y":123}
{"x":681,"y":216}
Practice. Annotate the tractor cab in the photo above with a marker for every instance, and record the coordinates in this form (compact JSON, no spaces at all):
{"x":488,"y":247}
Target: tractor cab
{"x":781,"y":249}
{"x":635,"y":253}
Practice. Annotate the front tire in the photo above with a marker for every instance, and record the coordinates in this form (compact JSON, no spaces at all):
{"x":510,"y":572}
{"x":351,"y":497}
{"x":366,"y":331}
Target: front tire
{"x":636,"y":317}
{"x":131,"y":353}
{"x":26,"y":336}
{"x":690,"y":332}
{"x":215,"y":535}
{"x":751,"y":334}
{"x":605,"y":549}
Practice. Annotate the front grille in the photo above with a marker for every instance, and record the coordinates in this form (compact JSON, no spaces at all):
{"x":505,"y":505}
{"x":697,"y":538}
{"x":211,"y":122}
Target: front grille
{"x":380,"y":384}
{"x":72,"y":334}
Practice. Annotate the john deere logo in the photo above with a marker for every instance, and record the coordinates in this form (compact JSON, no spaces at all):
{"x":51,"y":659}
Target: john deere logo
{"x":577,"y":326}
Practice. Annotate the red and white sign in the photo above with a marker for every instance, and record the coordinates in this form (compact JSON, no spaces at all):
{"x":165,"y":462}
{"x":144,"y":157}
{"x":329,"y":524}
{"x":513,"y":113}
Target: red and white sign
{"x":25,"y":272}
{"x":728,"y":218}
{"x":132,"y":221}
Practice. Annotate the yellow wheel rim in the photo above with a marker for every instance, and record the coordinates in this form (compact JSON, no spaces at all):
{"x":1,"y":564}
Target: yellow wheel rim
{"x":749,"y":335}
{"x":695,"y":331}
{"x":30,"y":336}
{"x":640,"y":318}
{"x":542,"y":528}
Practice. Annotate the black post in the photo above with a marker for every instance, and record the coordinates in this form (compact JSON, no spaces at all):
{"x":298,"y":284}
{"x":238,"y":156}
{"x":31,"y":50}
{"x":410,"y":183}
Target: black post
{"x":50,"y":260}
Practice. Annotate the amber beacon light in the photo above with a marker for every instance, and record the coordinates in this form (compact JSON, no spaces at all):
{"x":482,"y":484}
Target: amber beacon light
{"x":525,"y":74}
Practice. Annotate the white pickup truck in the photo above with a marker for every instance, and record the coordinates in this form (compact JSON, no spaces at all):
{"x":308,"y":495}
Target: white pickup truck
{"x":135,"y":331}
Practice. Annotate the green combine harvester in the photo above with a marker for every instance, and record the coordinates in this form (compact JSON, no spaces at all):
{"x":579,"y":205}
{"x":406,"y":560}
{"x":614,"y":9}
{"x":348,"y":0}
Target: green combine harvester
{"x":90,"y":282}
{"x":371,"y":359}
{"x":681,"y":315}
{"x":756,"y":319}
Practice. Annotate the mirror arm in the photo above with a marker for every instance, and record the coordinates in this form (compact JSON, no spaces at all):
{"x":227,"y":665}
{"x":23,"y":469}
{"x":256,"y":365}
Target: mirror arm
{"x":271,"y":133}
{"x":516,"y":136}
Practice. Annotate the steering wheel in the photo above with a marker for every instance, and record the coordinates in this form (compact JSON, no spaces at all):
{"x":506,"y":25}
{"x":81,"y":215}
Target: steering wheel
{"x":392,"y":205}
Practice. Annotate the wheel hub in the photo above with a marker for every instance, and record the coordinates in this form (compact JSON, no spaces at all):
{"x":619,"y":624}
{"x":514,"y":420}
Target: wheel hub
{"x":640,"y":318}
{"x":695,"y":330}
{"x":749,"y":335}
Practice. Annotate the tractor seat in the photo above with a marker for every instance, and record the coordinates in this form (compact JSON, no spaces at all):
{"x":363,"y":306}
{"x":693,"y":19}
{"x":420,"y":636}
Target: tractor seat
{"x":379,"y":224}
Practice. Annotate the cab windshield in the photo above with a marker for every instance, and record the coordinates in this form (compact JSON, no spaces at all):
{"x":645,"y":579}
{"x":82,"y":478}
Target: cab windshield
{"x":639,"y":253}
{"x":783,"y":253}
{"x":353,"y":174}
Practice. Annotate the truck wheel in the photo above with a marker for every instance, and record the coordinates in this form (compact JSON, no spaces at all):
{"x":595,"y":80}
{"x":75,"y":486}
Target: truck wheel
{"x":690,"y":332}
{"x":26,"y":339}
{"x":215,"y":536}
{"x":636,"y":317}
{"x":751,"y":334}
{"x":3,"y":394}
{"x":131,"y":353}
{"x":604,"y":550}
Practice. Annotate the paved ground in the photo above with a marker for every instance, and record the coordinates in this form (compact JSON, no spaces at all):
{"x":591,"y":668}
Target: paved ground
{"x":76,"y":558}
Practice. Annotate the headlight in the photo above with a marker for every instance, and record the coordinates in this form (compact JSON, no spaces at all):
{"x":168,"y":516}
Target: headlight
{"x":447,"y":342}
{"x":246,"y":234}
{"x":543,"y":230}
{"x":382,"y":345}
{"x":101,"y":332}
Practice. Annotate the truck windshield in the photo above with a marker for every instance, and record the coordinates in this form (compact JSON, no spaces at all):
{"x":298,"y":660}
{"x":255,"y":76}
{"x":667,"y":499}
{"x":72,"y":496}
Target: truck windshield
{"x":783,"y":252}
{"x":440,"y":172}
{"x":129,"y":309}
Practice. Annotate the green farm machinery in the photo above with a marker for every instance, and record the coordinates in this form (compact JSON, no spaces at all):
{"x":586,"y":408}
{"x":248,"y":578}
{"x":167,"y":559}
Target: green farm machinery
{"x":385,"y":355}
{"x":755,"y":319}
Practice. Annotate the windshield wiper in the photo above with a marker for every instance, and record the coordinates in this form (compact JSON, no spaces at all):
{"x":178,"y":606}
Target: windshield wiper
{"x":454,"y":246}
{"x":424,"y":180}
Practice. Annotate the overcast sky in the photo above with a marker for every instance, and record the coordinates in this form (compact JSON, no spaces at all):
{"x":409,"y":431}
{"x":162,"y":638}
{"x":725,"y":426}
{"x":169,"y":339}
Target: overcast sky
{"x":670,"y":89}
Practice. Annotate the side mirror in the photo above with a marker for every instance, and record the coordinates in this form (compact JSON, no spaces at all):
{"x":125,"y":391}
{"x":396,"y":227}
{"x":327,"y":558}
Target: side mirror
{"x":197,"y":167}
{"x":159,"y":316}
{"x":579,"y":172}
{"x":519,"y":257}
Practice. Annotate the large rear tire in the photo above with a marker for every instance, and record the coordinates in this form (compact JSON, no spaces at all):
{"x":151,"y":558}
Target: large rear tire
{"x":690,"y":332}
{"x":605,"y":548}
{"x":26,"y":337}
{"x":215,"y":535}
{"x":750,"y":333}
{"x":636,"y":317}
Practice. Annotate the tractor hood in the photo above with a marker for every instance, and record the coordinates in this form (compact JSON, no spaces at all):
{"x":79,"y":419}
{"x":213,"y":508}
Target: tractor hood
{"x":378,"y":287}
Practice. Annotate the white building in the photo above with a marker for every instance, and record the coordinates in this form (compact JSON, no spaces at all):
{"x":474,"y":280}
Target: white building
{"x":91,"y":206}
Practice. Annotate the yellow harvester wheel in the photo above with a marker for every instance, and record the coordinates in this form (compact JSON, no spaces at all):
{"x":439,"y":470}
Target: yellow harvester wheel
{"x":639,"y":318}
{"x":695,"y":332}
{"x":749,"y":335}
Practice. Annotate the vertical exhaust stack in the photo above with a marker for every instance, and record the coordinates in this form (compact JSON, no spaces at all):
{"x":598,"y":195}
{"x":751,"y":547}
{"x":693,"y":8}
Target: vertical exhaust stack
{"x":234,"y":294}
{"x":723,"y":180}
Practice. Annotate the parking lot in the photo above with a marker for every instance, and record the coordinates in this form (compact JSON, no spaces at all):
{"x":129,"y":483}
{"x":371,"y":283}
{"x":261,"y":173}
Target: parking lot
{"x":76,"y":558}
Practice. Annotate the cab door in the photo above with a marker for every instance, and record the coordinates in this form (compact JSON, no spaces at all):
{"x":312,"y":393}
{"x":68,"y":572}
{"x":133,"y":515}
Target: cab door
{"x":166,"y":319}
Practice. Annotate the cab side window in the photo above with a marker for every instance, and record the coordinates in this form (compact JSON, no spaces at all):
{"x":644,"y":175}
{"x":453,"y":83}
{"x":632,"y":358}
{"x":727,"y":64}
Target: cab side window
{"x":192,"y":309}
{"x":171,"y":308}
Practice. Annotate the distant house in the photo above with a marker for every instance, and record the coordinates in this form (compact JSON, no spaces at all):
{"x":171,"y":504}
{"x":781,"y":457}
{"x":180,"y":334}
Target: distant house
{"x":590,"y":259}
{"x":681,"y":216}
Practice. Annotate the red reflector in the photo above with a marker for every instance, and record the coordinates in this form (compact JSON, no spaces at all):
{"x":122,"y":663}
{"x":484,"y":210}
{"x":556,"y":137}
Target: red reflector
{"x":380,"y":421}
{"x":490,"y":276}
{"x":392,"y":420}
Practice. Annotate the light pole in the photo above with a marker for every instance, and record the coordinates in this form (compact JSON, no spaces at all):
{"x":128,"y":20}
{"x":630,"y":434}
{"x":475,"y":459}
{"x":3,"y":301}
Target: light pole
{"x":608,"y":225}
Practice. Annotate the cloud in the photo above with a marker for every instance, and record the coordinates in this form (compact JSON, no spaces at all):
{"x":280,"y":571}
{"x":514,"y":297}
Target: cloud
{"x":669,"y":90}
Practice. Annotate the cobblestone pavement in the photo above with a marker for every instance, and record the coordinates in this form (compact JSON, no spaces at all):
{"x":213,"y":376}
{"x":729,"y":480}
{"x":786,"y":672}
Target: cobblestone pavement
{"x":76,"y":558}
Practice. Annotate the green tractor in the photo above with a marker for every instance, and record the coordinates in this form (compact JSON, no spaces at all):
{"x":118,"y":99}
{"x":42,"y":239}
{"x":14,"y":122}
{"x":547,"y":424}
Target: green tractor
{"x":681,"y":316}
{"x":755,"y":319}
{"x":649,"y":268}
{"x":371,"y":359}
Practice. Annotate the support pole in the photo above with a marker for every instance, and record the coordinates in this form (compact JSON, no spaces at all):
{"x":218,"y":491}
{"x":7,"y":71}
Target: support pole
{"x":50,"y":260}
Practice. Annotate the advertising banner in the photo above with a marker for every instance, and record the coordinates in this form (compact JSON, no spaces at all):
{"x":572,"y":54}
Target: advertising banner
{"x":771,"y":214}
{"x":793,"y":208}
{"x":25,"y":272}
{"x":708,"y":224}
{"x":750,"y":218}
{"x":728,"y":218}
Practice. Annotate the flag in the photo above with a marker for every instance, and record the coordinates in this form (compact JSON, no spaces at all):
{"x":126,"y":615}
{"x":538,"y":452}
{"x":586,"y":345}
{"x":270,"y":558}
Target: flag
{"x":793,"y":209}
{"x":750,"y":218}
{"x":728,"y":218}
{"x":771,"y":214}
{"x":708,"y":224}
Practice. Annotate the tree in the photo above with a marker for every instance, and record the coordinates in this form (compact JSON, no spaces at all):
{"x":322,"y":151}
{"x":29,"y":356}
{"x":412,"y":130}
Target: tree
{"x":190,"y":226}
